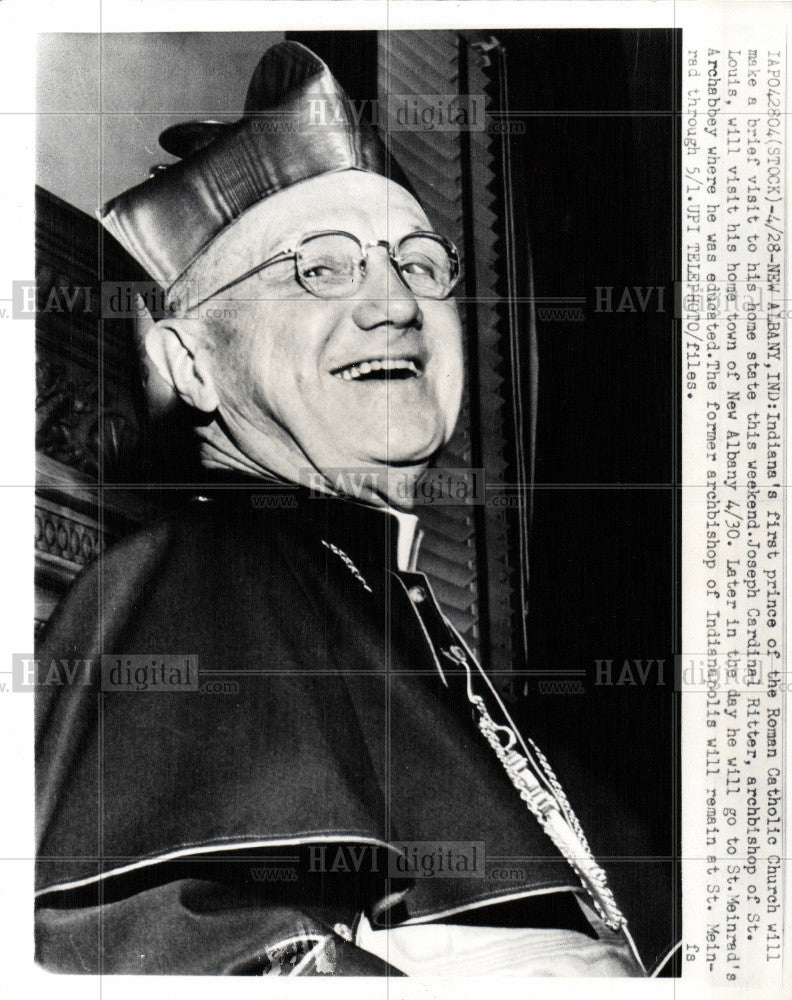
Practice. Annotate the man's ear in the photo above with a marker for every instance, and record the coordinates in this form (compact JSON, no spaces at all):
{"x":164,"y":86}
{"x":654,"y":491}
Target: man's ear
{"x":173,"y":348}
{"x":159,"y":395}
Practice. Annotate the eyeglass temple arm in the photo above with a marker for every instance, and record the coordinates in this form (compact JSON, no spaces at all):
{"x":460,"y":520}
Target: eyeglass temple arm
{"x":281,"y":256}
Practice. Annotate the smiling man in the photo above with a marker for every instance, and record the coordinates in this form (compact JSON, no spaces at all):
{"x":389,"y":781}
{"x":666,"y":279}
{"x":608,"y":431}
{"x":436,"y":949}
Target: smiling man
{"x":344,"y":352}
{"x":308,"y":770}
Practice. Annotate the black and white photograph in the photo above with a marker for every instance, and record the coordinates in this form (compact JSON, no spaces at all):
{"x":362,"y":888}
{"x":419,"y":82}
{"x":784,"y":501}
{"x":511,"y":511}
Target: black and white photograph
{"x":405,"y":452}
{"x":357,"y":551}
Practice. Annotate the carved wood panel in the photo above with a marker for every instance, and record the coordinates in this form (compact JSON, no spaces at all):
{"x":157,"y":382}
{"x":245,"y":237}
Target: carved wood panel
{"x":86,"y":420}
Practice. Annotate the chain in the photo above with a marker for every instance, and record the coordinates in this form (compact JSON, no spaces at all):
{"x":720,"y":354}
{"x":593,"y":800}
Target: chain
{"x":347,"y":562}
{"x":567,"y":837}
{"x":560,"y":795}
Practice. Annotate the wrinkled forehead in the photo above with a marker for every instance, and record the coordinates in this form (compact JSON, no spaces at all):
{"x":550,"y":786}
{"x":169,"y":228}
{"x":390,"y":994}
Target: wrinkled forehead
{"x":367,"y":205}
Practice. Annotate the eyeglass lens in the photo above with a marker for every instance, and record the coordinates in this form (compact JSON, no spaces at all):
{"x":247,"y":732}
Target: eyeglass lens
{"x":333,"y":264}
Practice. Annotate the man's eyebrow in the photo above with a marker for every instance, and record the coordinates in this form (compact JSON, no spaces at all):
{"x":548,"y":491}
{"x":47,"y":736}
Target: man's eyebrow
{"x":293,"y":236}
{"x":286,"y":242}
{"x":419,"y":227}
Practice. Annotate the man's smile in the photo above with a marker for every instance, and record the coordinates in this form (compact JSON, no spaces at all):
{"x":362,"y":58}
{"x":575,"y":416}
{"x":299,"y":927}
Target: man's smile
{"x":381,"y":369}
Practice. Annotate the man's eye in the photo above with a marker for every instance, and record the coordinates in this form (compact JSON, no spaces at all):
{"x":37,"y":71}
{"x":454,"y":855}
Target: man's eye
{"x":327,"y":269}
{"x":424,"y":267}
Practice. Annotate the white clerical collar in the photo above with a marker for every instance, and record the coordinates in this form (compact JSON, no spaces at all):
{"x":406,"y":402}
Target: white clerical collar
{"x":409,"y":540}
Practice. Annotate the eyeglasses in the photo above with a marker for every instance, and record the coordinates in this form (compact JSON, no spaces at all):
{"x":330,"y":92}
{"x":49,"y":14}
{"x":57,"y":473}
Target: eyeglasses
{"x":332,"y":264}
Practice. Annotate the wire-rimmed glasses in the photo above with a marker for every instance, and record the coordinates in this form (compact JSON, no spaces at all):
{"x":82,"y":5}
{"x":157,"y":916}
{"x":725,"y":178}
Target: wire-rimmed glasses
{"x":332,"y":264}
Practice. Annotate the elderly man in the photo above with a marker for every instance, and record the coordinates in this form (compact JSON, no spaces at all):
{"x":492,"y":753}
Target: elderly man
{"x":286,"y":822}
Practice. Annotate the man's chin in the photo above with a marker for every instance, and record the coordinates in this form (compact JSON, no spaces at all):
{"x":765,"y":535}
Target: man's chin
{"x":404,"y":451}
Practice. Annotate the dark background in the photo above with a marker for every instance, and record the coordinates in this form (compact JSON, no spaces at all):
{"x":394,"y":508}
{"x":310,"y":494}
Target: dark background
{"x":595,"y":198}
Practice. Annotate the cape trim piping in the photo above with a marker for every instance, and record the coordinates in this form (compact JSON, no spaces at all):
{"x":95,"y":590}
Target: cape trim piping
{"x":215,"y":846}
{"x":480,"y":904}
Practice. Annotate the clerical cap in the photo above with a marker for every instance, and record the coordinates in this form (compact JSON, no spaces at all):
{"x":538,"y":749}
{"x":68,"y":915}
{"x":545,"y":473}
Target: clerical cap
{"x":298,"y":123}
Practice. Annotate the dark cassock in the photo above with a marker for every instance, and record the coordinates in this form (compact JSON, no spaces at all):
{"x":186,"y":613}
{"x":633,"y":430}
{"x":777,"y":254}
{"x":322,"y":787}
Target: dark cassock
{"x":286,"y":760}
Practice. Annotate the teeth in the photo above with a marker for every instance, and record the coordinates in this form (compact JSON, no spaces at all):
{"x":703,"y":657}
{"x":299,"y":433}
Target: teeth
{"x":352,"y":372}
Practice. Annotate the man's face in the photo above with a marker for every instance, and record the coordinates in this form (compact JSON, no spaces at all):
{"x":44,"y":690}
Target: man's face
{"x":286,"y":369}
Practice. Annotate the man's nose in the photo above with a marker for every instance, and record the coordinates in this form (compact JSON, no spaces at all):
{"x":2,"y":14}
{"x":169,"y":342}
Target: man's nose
{"x":383,"y":299}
